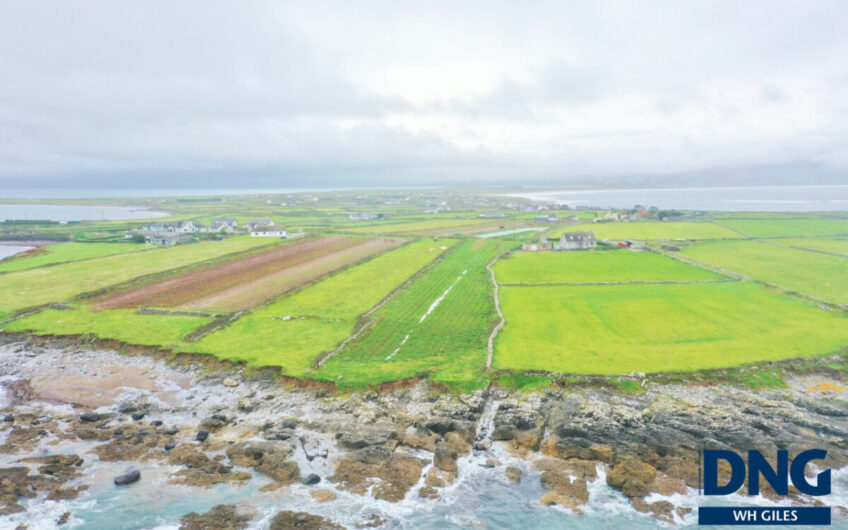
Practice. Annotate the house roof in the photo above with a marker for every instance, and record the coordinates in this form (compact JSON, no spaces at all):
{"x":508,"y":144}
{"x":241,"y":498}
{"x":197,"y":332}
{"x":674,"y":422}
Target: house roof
{"x":579,"y":236}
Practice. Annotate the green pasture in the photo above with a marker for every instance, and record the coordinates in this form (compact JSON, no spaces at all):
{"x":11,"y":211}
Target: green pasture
{"x":810,"y":273}
{"x":614,"y":330}
{"x":652,"y":230}
{"x":837,"y":245}
{"x":125,"y":325}
{"x":418,"y":226}
{"x":321,"y":315}
{"x":64,"y":252}
{"x":595,"y":266}
{"x":58,"y":283}
{"x":788,"y":226}
{"x":450,"y":342}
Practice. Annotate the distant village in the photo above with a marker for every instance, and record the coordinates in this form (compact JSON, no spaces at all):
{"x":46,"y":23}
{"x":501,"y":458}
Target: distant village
{"x":167,"y":234}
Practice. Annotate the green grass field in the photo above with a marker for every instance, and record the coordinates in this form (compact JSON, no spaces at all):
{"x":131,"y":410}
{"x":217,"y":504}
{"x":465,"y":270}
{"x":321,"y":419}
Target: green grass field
{"x":63,"y":252}
{"x":124,"y":325}
{"x":788,"y":227}
{"x":810,"y":273}
{"x":838,"y":245}
{"x":58,"y":283}
{"x":652,"y":230}
{"x":595,"y":266}
{"x":437,"y":225}
{"x":613,"y":330}
{"x":324,"y":314}
{"x":450,"y":342}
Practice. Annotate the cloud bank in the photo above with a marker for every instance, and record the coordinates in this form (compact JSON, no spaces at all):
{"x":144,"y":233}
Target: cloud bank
{"x":335,"y":93}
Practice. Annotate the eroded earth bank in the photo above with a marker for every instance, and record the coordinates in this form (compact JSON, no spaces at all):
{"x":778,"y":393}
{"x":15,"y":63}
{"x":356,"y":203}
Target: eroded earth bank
{"x":195,"y":447}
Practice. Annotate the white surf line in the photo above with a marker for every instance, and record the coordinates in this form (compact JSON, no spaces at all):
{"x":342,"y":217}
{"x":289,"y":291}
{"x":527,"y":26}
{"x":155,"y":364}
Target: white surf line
{"x":433,"y":306}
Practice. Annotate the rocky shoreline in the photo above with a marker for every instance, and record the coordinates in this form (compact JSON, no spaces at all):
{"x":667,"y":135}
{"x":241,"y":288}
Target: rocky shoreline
{"x":70,"y":412}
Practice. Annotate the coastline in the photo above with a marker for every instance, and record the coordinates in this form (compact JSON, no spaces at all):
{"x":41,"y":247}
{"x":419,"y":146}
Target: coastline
{"x":588,"y":456}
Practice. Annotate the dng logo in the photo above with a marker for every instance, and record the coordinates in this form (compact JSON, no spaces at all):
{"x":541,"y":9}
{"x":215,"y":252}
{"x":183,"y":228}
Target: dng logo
{"x":758,"y":467}
{"x":778,"y":477}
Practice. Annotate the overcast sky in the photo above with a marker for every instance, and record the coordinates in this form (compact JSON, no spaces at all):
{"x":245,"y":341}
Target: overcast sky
{"x":284,"y":93}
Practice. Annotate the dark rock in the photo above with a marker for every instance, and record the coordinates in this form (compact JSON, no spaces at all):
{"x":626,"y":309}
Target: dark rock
{"x":202,"y":436}
{"x":137,"y":416}
{"x":311,"y":480}
{"x":439,"y":425}
{"x":268,"y":458}
{"x":8,"y":417}
{"x":128,"y":478}
{"x":118,"y":432}
{"x":156,"y":423}
{"x":89,"y":417}
{"x":220,"y":517}
{"x":170,"y":445}
{"x":360,"y":438}
{"x":63,"y":519}
{"x":170,"y":431}
{"x":385,"y":474}
{"x":287,"y":520}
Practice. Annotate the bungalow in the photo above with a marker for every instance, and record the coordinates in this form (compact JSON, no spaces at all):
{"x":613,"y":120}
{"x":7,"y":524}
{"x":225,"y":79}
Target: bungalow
{"x":187,"y":227}
{"x":363,"y":216}
{"x":577,"y":241}
{"x":224,"y":224}
{"x":168,"y":239}
{"x":267,"y":231}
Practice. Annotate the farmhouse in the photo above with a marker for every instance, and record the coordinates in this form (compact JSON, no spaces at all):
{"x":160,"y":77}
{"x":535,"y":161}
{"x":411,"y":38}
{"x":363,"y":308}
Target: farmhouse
{"x":363,"y":216}
{"x":224,"y":224}
{"x":160,"y":237}
{"x":267,"y":231}
{"x":550,"y":218}
{"x":577,"y":241}
{"x":260,"y":222}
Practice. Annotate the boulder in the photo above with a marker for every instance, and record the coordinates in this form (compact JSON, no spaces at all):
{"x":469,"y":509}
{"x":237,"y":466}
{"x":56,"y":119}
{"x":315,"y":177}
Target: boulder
{"x":220,"y":517}
{"x":632,"y":477}
{"x":201,"y":436}
{"x":366,"y":437}
{"x":268,"y":458}
{"x":129,"y":477}
{"x":445,"y":460}
{"x":89,"y":417}
{"x":389,"y":476}
{"x":311,"y":479}
{"x":421,"y":439}
{"x":286,"y":520}
{"x":513,"y":474}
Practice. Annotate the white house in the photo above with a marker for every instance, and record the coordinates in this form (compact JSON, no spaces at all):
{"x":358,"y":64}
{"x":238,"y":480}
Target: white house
{"x":577,"y":241}
{"x":267,"y":231}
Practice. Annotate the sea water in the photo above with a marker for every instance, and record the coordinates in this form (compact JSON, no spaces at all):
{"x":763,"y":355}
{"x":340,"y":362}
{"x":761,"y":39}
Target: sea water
{"x":818,"y":198}
{"x":480,"y":498}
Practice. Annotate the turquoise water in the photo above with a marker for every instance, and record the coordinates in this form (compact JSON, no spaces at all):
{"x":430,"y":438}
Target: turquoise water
{"x":481,"y":499}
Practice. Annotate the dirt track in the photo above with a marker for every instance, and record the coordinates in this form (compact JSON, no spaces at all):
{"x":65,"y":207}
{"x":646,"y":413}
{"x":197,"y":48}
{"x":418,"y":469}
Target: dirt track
{"x":253,"y":292}
{"x":183,"y":289}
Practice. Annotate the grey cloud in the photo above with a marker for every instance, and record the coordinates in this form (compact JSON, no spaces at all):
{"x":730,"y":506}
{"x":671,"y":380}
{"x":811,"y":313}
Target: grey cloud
{"x":95,"y":90}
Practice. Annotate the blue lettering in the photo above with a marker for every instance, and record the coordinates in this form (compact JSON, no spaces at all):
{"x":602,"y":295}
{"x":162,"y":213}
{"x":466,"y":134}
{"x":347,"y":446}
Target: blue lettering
{"x":799,"y":480}
{"x":758,"y":465}
{"x":737,"y":472}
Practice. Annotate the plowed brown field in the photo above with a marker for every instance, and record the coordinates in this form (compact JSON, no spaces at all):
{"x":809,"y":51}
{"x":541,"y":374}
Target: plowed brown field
{"x":245,"y":282}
